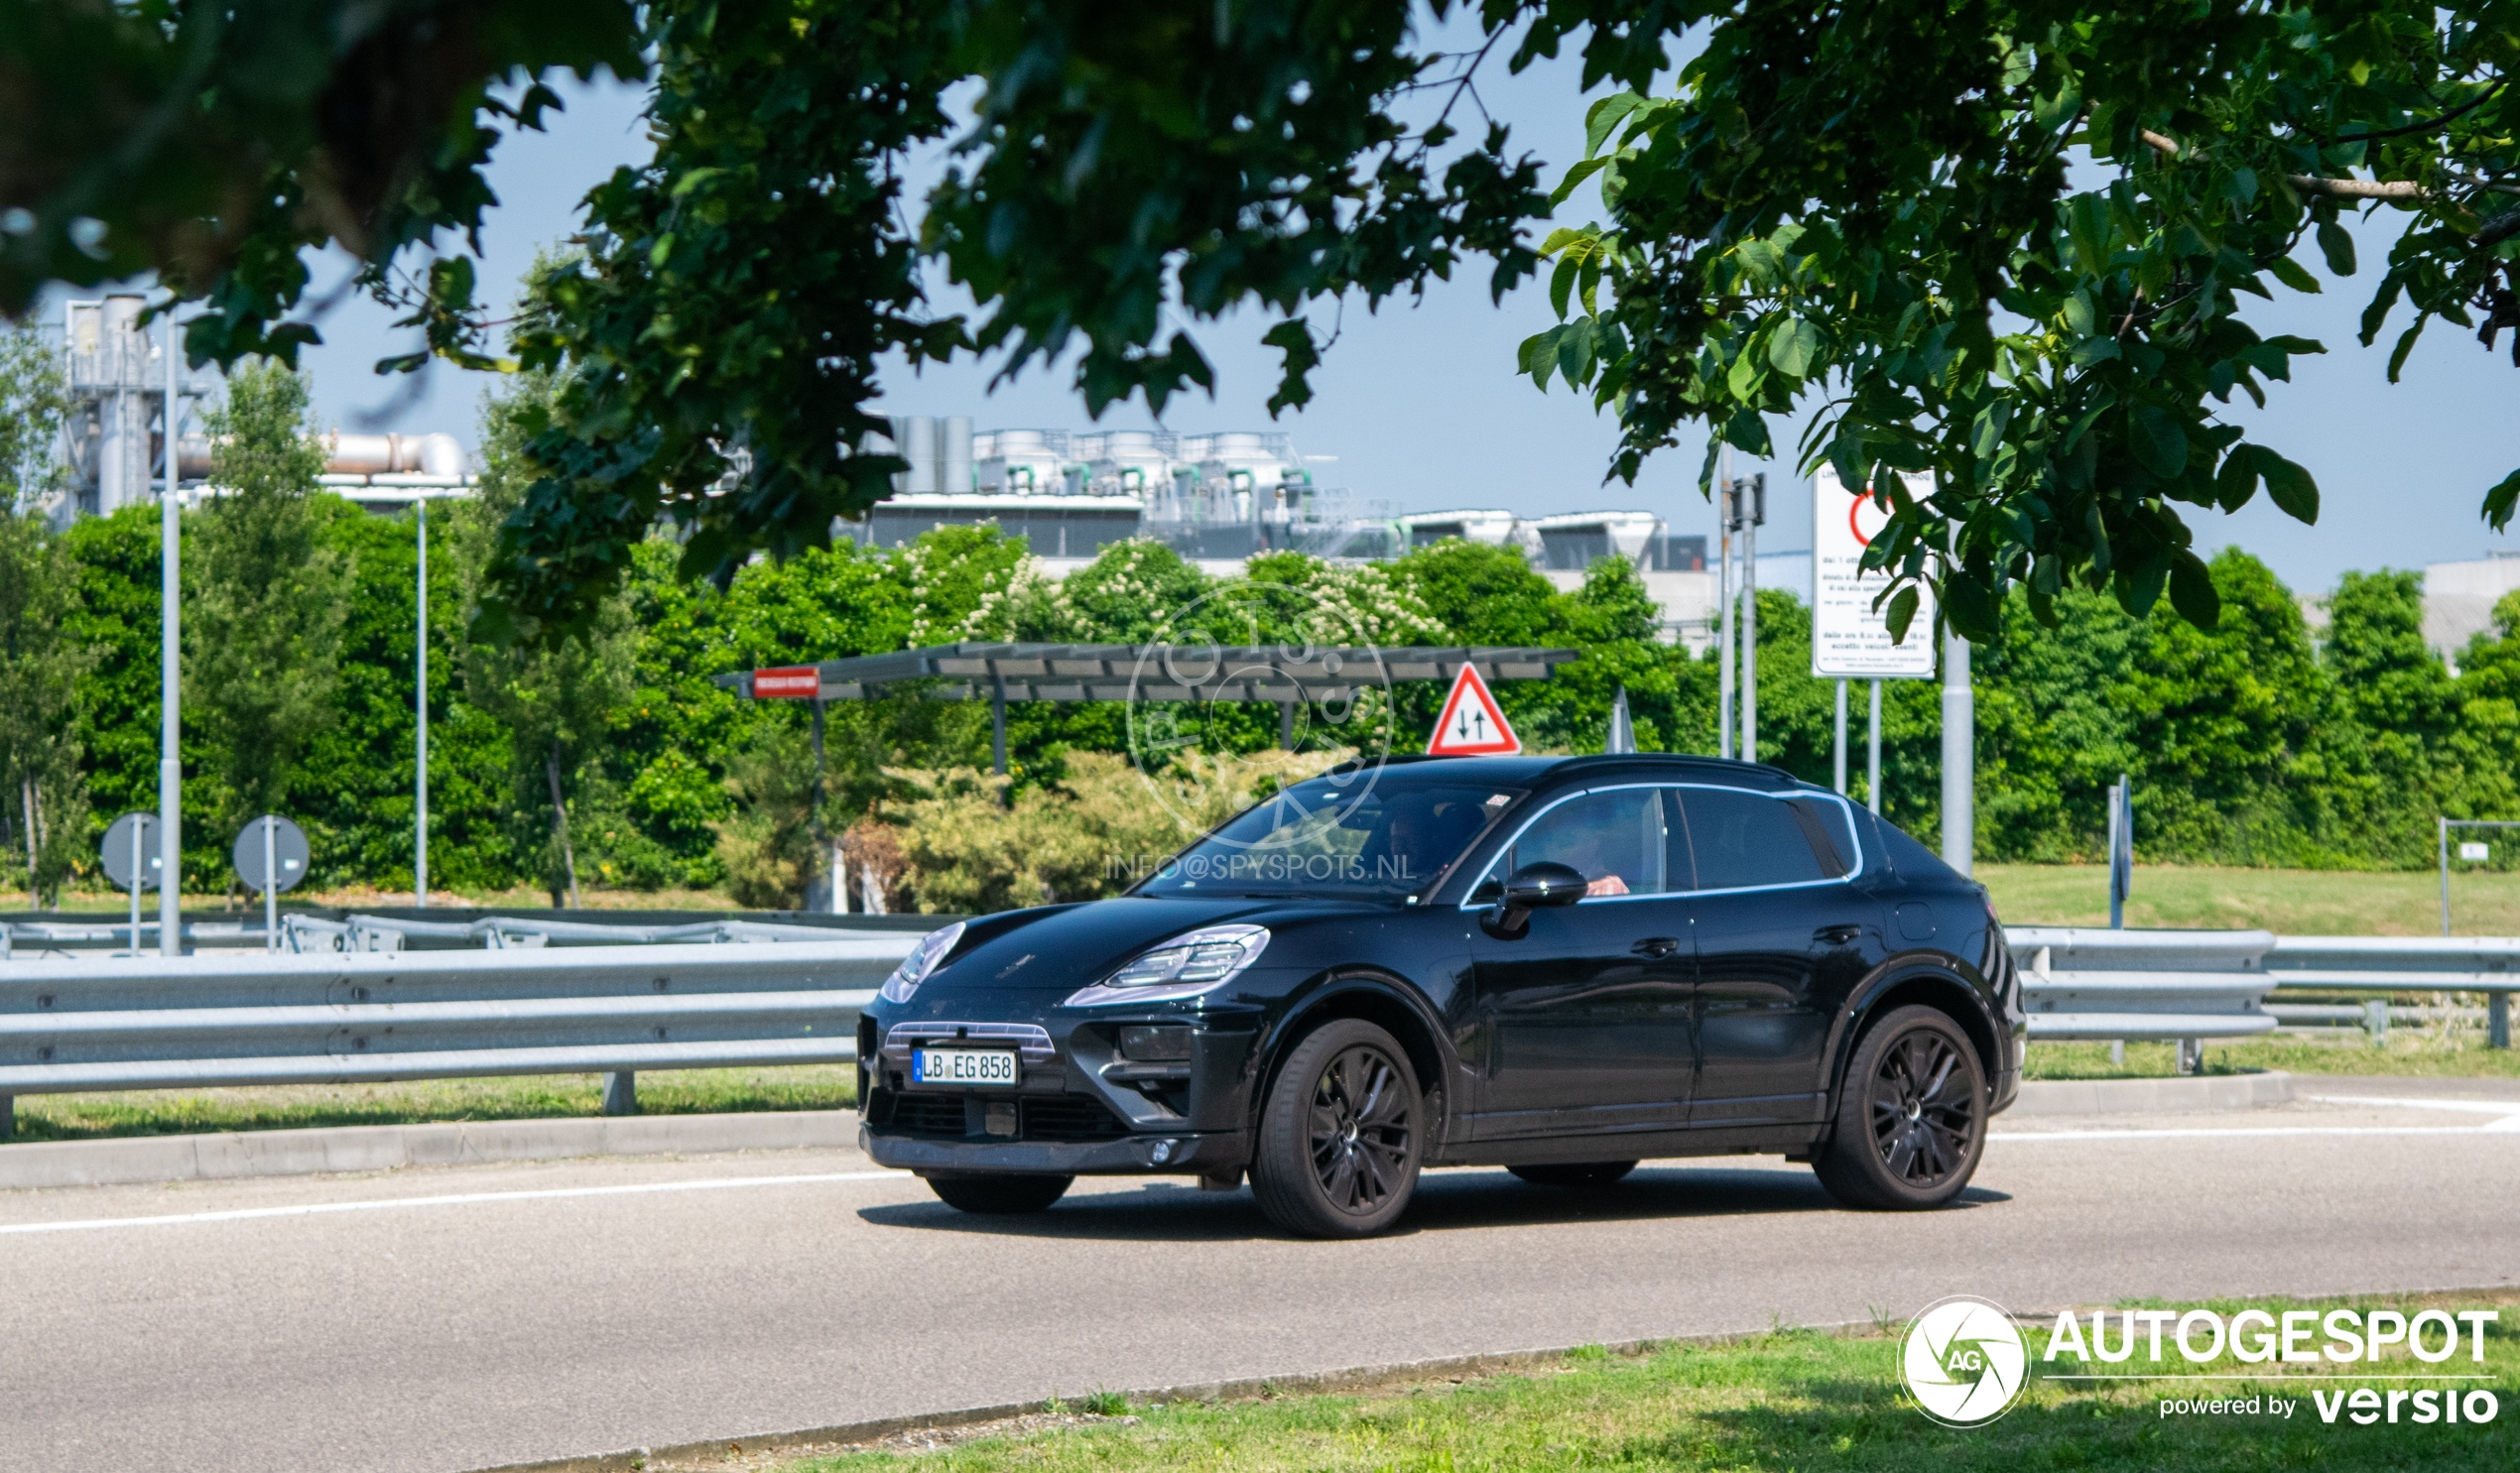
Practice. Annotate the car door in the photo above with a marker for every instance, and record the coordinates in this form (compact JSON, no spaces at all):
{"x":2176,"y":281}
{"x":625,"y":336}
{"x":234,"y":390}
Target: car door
{"x":1586,"y":1015}
{"x":1781,"y":935}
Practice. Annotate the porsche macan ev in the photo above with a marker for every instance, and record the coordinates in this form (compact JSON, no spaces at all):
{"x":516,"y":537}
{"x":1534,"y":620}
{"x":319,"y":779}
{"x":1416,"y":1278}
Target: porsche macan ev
{"x":1557,"y":965}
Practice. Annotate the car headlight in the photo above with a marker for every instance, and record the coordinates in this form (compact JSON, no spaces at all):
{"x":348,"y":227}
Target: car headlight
{"x":915,"y":968}
{"x":1184,"y":966}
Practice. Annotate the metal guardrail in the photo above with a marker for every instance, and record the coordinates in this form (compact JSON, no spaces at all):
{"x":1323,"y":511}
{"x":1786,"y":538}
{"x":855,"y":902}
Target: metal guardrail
{"x":2089,"y":983}
{"x":358,"y":932}
{"x":148,"y":1022}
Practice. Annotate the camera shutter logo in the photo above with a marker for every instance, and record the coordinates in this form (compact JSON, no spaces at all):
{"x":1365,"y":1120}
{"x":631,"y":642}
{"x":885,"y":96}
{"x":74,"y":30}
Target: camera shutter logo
{"x":1964,"y":1362}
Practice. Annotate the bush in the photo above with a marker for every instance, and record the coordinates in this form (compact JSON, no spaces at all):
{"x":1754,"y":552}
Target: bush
{"x":1092,"y":834}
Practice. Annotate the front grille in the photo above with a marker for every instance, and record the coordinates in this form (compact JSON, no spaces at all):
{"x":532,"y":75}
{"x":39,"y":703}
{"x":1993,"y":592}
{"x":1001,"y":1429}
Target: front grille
{"x":1064,"y":1117}
{"x":928,"y":1114}
{"x":1069,"y":1117}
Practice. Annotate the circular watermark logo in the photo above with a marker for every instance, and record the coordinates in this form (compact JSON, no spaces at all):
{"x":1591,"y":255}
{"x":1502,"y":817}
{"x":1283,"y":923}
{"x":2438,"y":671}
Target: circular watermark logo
{"x":1963,"y":1361}
{"x":1297,"y":653}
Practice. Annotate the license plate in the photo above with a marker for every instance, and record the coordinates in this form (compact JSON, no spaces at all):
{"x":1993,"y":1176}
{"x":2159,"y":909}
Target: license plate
{"x":963,"y":1066}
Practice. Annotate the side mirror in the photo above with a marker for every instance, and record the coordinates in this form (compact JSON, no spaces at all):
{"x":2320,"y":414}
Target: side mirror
{"x":1532,"y":888}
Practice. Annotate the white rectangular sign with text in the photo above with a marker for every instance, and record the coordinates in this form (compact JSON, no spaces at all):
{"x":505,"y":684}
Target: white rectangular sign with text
{"x":1851,"y":639}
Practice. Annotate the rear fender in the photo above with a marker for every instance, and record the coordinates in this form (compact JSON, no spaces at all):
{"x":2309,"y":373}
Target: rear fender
{"x":1933,"y":982}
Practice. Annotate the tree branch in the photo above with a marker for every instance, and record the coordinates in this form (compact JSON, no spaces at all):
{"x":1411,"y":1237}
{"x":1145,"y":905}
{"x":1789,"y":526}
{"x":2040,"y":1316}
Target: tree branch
{"x":2358,"y":188}
{"x":2338,"y":189}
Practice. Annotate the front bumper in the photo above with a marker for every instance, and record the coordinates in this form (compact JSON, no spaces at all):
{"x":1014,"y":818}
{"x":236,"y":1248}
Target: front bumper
{"x":1135,"y":1154}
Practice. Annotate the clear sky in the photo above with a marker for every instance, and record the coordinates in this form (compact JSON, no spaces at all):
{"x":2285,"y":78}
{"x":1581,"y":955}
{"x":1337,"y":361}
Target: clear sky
{"x":1422,"y":406}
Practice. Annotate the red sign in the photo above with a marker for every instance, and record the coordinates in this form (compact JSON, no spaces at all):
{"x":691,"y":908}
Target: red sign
{"x":792,"y":683}
{"x":1471,"y":725}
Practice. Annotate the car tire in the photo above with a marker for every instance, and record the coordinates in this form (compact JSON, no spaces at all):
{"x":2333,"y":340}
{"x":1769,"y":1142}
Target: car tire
{"x":1574,"y":1174}
{"x":1340,"y":1136}
{"x":999,"y":1193}
{"x":1911,"y":1115}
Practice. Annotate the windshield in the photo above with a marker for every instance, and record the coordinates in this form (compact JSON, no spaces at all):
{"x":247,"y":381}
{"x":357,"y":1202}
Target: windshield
{"x":1364,"y":832}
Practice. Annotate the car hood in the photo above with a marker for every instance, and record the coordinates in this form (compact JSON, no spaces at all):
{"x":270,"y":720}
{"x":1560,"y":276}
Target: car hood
{"x":1060,"y":948}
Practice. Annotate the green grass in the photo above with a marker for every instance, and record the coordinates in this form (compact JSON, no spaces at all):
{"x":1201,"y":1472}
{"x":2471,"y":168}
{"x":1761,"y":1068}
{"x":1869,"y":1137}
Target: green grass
{"x":2306,"y":903}
{"x":88,"y":1116}
{"x":2406,"y":1057}
{"x":1792,"y":1400}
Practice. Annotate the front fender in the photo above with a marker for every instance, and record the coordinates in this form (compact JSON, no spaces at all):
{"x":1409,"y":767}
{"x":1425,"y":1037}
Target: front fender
{"x":1383,"y":998}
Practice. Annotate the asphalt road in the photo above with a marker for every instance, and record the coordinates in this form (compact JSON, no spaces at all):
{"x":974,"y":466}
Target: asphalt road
{"x":455,"y":1318}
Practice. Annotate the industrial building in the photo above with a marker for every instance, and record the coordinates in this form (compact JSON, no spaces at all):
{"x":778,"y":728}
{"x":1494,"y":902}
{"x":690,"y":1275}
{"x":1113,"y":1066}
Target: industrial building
{"x":1224,"y":498}
{"x":125,"y":385}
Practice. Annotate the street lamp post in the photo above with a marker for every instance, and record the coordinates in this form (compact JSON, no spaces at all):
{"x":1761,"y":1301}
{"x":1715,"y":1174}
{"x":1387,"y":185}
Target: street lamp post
{"x":170,"y":685}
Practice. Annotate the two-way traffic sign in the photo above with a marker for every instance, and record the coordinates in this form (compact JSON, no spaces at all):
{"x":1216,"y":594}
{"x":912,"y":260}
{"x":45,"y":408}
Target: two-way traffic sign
{"x":1471,"y":725}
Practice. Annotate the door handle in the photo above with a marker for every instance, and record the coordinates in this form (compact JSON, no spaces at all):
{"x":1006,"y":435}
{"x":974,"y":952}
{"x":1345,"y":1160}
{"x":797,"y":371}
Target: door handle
{"x":1837,"y":935}
{"x":1655,"y":946}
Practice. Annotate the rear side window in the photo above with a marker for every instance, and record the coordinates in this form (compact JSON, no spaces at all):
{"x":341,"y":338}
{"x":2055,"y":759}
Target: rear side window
{"x":1742,"y":839}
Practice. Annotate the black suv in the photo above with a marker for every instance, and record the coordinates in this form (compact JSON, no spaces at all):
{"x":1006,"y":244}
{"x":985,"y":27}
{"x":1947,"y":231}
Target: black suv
{"x":1557,"y":965}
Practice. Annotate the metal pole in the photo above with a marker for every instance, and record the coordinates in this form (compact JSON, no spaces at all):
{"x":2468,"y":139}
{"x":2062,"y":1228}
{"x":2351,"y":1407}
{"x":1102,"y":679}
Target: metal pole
{"x":997,"y":728}
{"x":1959,"y":752}
{"x":1750,"y":635}
{"x":2116,"y":835}
{"x":813,"y":801}
{"x":136,"y":872}
{"x":271,"y":885}
{"x":420,"y":764}
{"x":1872,"y":771}
{"x":169,"y":690}
{"x":2441,"y":839}
{"x":1723,"y":619}
{"x":1839,"y":767}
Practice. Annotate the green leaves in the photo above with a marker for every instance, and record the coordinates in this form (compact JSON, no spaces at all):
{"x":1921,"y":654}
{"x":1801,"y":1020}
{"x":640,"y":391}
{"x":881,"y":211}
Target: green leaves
{"x":2292,"y":273}
{"x":2338,"y":246}
{"x":1796,"y":348}
{"x":2500,"y":501}
{"x":2159,"y":441}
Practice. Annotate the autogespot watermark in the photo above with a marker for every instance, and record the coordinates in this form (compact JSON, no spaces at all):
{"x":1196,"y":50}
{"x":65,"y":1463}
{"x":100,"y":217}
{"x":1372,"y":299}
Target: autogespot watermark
{"x":1965,"y":1362}
{"x":1256,"y":646}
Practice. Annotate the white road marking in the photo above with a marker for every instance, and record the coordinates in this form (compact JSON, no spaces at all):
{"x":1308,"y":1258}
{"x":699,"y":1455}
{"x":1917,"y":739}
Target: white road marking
{"x":456,"y":1199}
{"x":2236,"y":1132}
{"x":2506,"y":1121}
{"x":2506,"y":1111}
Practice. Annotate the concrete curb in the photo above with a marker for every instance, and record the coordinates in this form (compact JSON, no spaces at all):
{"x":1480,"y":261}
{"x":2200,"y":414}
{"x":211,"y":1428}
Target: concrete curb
{"x":2152,"y":1096}
{"x":384,"y":1148}
{"x":1245,"y":1388}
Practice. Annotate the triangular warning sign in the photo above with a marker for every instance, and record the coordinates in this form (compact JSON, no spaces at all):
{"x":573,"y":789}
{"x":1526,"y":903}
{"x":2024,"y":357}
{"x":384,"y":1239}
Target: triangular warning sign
{"x":1471,"y":725}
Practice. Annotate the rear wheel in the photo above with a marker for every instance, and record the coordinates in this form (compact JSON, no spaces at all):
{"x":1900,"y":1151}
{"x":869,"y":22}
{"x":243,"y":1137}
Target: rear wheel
{"x":1911,"y":1115}
{"x":1340,"y":1136}
{"x":999,"y":1193}
{"x":1574,"y":1174}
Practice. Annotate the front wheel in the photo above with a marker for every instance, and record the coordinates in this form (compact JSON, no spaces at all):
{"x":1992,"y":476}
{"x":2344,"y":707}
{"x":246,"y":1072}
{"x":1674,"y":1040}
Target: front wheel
{"x":1574,"y":1174}
{"x":1911,"y":1115}
{"x":999,"y":1193}
{"x":1341,"y":1135}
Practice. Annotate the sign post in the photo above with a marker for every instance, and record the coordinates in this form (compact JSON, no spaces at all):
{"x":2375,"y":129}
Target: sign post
{"x":1851,"y":639}
{"x":1471,"y":724}
{"x":129,"y":863}
{"x":271,"y":857}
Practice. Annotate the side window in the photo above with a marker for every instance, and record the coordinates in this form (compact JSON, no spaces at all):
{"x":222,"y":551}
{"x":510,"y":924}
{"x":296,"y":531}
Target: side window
{"x":1742,"y":839}
{"x":1614,"y":840}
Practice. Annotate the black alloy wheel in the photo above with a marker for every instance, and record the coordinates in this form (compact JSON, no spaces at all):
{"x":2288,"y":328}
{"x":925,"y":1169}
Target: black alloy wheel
{"x":1911,"y":1115}
{"x":1339,"y":1140}
{"x":1574,"y":1174}
{"x":999,"y":1193}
